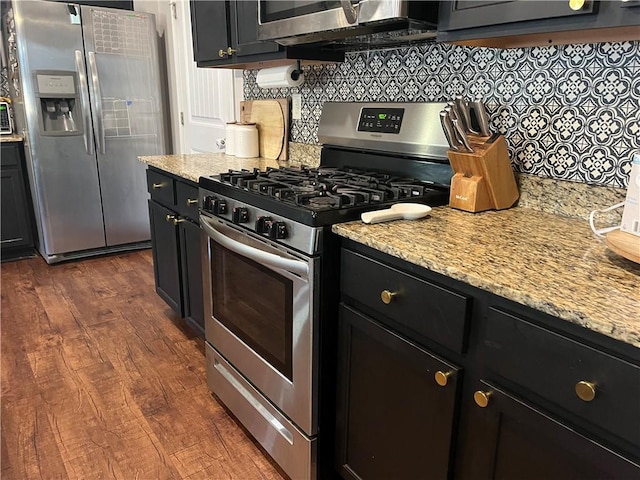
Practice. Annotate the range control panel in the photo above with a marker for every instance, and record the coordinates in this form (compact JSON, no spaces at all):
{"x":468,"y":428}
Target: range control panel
{"x":380,"y":120}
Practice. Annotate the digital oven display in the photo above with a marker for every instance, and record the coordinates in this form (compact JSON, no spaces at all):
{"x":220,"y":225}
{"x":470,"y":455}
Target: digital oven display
{"x":380,"y":120}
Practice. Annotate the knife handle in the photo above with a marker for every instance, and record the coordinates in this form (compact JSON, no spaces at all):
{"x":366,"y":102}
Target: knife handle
{"x":464,"y":114}
{"x":480,"y":113}
{"x":447,"y":127}
{"x":462,"y":135}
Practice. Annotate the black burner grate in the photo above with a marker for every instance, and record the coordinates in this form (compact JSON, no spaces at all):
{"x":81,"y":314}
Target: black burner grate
{"x":327,"y":187}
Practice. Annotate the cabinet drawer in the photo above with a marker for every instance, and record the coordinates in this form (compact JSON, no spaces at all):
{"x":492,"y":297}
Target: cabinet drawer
{"x":161,"y":187}
{"x":187,"y":200}
{"x":416,"y":305}
{"x":551,"y":366}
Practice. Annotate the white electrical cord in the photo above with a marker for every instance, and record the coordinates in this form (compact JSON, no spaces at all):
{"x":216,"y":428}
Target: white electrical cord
{"x":600,"y":232}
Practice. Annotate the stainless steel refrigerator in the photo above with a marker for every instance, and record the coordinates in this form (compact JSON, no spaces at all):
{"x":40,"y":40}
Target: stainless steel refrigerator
{"x":87,"y":92}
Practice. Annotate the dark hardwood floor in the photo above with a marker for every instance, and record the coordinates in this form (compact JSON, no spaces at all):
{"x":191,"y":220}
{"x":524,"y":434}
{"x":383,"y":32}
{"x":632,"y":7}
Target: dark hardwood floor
{"x":100,"y":379}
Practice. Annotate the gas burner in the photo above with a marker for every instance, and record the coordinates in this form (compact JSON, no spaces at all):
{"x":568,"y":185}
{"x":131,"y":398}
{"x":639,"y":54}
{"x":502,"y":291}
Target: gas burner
{"x":328,"y":193}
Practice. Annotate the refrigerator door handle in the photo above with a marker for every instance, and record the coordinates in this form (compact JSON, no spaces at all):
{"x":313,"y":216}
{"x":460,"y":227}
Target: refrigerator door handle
{"x":84,"y":103}
{"x":95,"y":80}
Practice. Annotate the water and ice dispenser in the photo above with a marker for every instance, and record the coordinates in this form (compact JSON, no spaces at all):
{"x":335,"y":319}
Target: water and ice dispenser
{"x":59,"y":103}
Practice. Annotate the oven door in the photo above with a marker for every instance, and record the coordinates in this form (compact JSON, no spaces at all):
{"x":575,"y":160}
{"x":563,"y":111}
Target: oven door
{"x":260,"y":314}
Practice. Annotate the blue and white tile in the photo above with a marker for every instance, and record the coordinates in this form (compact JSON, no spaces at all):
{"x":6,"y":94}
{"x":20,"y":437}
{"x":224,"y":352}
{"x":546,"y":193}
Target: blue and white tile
{"x":561,"y":108}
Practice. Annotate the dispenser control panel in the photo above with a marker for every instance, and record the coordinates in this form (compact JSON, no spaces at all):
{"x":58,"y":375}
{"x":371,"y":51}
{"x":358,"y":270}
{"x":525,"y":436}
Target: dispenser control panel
{"x":55,"y":84}
{"x":381,"y":120}
{"x":5,"y":119}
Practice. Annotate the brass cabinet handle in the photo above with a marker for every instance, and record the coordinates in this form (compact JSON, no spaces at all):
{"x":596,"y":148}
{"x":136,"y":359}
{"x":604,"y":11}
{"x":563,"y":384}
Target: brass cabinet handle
{"x":482,"y":398}
{"x":442,"y":378}
{"x":387,"y":296}
{"x":191,"y":201}
{"x":576,"y":4}
{"x":176,"y":221}
{"x":230,"y":51}
{"x":157,"y":185}
{"x":170,"y":218}
{"x":586,"y":391}
{"x":222,"y":53}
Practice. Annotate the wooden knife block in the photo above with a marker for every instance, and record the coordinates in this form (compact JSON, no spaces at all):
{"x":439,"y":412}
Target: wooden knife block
{"x":483,"y":180}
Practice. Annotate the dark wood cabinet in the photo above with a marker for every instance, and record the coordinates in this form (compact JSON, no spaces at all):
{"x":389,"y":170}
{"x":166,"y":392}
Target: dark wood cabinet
{"x":225,"y":34}
{"x":210,"y":31}
{"x":166,"y":263}
{"x":17,"y":230}
{"x":517,"y":23}
{"x":175,"y":242}
{"x":191,"y":262}
{"x":526,"y":395}
{"x":394,"y":420}
{"x":508,"y":438}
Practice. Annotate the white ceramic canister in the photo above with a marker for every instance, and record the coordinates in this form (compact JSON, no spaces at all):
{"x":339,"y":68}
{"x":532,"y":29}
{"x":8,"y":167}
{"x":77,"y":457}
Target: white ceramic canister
{"x":230,"y":138}
{"x":247,"y":145}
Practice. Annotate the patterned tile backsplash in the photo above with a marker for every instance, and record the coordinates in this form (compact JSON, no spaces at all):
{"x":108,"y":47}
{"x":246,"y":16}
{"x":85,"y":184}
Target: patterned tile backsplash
{"x":568,"y":112}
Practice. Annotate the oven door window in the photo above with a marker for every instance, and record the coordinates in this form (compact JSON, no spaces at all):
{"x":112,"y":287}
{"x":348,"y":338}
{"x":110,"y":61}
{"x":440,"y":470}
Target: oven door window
{"x":256,"y":304}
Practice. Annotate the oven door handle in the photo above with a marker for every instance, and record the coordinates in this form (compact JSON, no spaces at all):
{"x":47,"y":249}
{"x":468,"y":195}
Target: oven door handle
{"x":260,"y":256}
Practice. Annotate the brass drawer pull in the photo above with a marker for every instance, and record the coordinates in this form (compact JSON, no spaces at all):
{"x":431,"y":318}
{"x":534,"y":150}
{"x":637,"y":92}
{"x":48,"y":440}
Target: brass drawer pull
{"x":222,"y":53}
{"x":176,"y":221}
{"x":230,"y":51}
{"x":191,"y":201}
{"x":442,"y":378}
{"x":170,"y":218}
{"x":576,"y":5}
{"x":586,"y":391}
{"x":386,"y":296}
{"x":157,"y":185}
{"x":482,"y":398}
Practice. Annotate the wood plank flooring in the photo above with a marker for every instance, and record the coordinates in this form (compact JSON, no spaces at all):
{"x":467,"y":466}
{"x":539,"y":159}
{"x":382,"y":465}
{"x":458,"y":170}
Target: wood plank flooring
{"x":100,"y":379}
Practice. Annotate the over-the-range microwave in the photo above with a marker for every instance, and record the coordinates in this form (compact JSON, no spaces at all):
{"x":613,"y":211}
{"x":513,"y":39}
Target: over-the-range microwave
{"x":347,"y":23}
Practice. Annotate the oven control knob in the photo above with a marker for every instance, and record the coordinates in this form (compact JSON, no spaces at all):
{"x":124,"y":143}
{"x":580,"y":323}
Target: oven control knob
{"x":240,"y":215}
{"x":277,"y":230}
{"x":207,"y":203}
{"x":219,"y":206}
{"x":262,"y":224}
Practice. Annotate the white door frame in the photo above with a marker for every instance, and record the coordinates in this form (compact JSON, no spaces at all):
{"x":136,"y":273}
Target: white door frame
{"x":201,"y":100}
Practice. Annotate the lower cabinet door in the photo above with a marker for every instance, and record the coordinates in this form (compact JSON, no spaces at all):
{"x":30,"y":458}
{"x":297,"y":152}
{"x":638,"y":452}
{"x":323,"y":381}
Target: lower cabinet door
{"x":508,"y":439}
{"x":166,"y":256}
{"x":16,"y":227}
{"x":394,"y":420}
{"x":191,"y":261}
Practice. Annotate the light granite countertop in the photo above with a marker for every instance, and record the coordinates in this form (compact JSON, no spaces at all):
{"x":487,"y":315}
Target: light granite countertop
{"x":543,"y":260}
{"x":194,"y":166}
{"x":11,"y":138}
{"x":550,"y":262}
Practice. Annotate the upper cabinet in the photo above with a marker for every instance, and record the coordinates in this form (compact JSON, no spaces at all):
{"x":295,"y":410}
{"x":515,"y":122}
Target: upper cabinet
{"x":225,"y":34}
{"x":522,"y":23}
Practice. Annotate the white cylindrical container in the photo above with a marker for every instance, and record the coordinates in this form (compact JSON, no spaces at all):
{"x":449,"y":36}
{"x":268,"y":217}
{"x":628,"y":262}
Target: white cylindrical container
{"x":246,"y":140}
{"x":230,"y":140}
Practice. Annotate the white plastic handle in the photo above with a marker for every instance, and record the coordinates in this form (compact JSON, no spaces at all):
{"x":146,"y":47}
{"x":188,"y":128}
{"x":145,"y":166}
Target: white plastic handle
{"x":407,"y":211}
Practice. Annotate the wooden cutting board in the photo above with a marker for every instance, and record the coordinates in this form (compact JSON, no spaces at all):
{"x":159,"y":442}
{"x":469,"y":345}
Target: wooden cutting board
{"x":272,"y":119}
{"x":624,"y":244}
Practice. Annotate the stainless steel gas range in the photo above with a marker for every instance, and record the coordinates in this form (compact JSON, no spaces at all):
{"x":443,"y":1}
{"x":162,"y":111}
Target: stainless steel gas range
{"x":271,"y":276}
